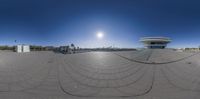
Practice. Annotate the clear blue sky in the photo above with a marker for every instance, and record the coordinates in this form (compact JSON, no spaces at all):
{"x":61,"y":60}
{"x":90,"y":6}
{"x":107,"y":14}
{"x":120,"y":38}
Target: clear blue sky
{"x":61,"y":22}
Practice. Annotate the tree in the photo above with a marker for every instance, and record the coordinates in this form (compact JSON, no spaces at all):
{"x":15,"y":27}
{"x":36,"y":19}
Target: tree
{"x":72,"y":45}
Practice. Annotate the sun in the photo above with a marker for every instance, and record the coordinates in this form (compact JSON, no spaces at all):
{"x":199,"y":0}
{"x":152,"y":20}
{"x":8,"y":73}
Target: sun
{"x":100,"y":35}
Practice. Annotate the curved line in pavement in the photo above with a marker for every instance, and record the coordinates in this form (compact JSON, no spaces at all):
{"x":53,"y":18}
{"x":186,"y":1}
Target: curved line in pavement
{"x":130,"y":74}
{"x":127,"y":67}
{"x":154,"y":63}
{"x":107,"y":79}
{"x":123,"y":96}
{"x":179,"y":87}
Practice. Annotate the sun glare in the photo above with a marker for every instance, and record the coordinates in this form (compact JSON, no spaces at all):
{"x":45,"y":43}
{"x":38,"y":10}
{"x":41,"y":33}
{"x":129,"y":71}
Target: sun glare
{"x":100,"y":35}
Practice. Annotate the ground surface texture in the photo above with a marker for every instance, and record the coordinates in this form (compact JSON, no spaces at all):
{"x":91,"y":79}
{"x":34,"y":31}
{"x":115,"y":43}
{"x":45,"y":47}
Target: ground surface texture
{"x":145,"y":74}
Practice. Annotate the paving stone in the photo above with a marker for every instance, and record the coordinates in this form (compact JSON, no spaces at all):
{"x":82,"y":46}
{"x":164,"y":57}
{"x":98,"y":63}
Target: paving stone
{"x":146,"y":74}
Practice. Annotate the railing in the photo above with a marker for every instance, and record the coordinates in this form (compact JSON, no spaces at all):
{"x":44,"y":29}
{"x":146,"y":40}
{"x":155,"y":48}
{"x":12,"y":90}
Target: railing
{"x":165,"y":39}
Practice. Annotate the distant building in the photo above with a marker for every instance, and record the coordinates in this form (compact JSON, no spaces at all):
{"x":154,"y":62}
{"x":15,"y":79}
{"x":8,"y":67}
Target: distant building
{"x":155,"y":42}
{"x":49,"y":48}
{"x":192,"y":49}
{"x":26,"y":48}
{"x":18,"y":48}
{"x":22,"y":48}
{"x":67,"y":49}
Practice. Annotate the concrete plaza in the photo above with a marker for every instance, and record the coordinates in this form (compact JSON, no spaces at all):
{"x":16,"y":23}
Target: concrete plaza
{"x":146,"y":74}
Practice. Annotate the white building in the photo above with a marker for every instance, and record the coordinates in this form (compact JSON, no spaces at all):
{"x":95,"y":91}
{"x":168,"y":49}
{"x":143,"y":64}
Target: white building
{"x":67,"y":49}
{"x":22,"y":48}
{"x":155,"y":42}
{"x":18,"y":48}
{"x":26,"y":48}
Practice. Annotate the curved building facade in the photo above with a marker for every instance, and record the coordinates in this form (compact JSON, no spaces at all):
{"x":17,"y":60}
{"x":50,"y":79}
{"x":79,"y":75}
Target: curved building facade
{"x":155,"y":42}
